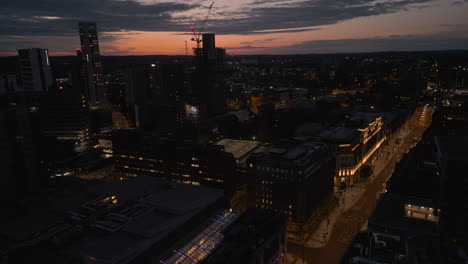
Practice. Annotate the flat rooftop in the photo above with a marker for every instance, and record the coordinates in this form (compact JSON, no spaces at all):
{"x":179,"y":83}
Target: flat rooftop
{"x":297,"y":154}
{"x":367,"y":117}
{"x":238,"y":148}
{"x":452,"y":147}
{"x":390,"y":213}
{"x":247,"y":231}
{"x":117,"y":221}
{"x":327,"y":133}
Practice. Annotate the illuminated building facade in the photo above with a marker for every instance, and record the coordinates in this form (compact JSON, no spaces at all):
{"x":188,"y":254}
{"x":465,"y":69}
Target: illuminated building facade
{"x":353,"y":155}
{"x":35,"y":69}
{"x":353,"y":143}
{"x":293,"y":180}
{"x":91,"y":65}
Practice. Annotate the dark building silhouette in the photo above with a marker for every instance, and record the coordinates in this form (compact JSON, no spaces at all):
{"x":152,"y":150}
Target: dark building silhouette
{"x":138,"y":153}
{"x":208,"y":86}
{"x":65,"y":116}
{"x":139,"y":220}
{"x":91,"y":63}
{"x":22,"y":170}
{"x":8,"y":83}
{"x":35,"y":69}
{"x":292,"y":180}
{"x":452,"y":156}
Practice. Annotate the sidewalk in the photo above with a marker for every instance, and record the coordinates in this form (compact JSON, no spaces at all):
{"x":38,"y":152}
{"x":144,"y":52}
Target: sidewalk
{"x":346,"y":200}
{"x":290,"y":259}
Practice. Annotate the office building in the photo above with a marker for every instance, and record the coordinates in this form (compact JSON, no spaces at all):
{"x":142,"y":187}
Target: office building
{"x":35,"y":69}
{"x":353,"y":143}
{"x":91,"y":65}
{"x":21,"y":167}
{"x":208,"y":86}
{"x":139,"y":153}
{"x":8,"y":83}
{"x":65,"y":116}
{"x":292,"y":180}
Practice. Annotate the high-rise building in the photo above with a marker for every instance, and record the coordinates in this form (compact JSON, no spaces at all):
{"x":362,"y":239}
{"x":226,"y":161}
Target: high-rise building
{"x":91,"y":63}
{"x":64,"y":116}
{"x":21,"y":166}
{"x":209,"y":41}
{"x":208,"y":86}
{"x":8,"y":83}
{"x":35,"y":69}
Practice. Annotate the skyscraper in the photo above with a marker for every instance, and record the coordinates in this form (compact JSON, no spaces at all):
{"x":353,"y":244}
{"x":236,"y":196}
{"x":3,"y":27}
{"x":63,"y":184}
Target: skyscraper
{"x":208,"y":81}
{"x":91,"y":63}
{"x":35,"y":69}
{"x":22,"y":170}
{"x":209,"y":41}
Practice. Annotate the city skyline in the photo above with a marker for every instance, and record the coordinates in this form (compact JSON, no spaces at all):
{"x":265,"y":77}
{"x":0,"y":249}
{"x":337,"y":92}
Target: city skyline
{"x":243,"y":27}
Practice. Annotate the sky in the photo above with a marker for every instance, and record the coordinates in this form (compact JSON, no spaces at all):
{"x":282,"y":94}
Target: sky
{"x":162,"y":27}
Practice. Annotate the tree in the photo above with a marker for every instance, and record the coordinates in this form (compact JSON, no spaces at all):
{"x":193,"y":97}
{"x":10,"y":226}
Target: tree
{"x":398,"y":141}
{"x":343,"y":186}
{"x":366,"y":171}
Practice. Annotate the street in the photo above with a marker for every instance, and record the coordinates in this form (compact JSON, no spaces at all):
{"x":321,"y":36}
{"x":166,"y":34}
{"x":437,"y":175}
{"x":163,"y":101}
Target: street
{"x":350,"y":222}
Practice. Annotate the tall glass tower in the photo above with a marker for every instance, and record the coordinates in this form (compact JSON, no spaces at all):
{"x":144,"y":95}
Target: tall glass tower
{"x":91,"y":65}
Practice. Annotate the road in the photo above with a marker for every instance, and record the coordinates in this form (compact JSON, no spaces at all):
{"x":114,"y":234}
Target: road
{"x":351,"y":221}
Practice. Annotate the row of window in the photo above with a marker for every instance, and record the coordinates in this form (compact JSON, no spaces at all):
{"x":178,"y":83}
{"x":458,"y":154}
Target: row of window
{"x":173,"y":173}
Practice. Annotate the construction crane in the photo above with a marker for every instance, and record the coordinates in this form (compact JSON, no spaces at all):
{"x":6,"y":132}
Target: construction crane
{"x":197,"y":36}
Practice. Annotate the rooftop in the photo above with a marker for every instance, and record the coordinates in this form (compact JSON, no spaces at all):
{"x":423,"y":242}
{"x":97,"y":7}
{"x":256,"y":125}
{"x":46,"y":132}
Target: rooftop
{"x":116,"y":221}
{"x":416,"y":174}
{"x":297,"y":154}
{"x":367,"y":117}
{"x":238,"y":148}
{"x":320,"y":131}
{"x":245,"y":234}
{"x":389,"y":213}
{"x":452,"y":147}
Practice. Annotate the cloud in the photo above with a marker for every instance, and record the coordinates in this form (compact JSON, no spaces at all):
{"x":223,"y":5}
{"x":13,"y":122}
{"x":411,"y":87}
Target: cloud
{"x":440,"y":41}
{"x":284,"y":15}
{"x":245,"y":47}
{"x":59,"y":17}
{"x":270,"y":39}
{"x":53,"y":23}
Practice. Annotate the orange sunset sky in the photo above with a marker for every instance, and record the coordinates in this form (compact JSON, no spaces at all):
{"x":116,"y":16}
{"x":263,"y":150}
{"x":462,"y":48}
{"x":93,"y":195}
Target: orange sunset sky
{"x":242,"y":27}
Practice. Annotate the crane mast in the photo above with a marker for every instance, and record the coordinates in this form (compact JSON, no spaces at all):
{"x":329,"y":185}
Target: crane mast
{"x":197,"y":36}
